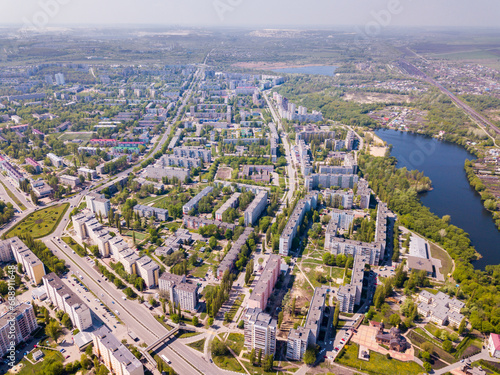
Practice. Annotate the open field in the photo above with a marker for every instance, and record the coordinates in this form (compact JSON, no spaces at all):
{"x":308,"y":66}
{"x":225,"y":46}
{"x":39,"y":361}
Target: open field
{"x":29,"y":369}
{"x":198,"y":345}
{"x":444,"y":257}
{"x":40,"y":223}
{"x":378,"y":363}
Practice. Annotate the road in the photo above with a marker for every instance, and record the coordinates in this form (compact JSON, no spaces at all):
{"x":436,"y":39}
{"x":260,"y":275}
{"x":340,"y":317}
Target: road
{"x":480,"y":120}
{"x":291,"y":172}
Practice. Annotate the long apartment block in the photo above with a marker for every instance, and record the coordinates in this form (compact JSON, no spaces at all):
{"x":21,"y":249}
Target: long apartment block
{"x":193,"y":203}
{"x":232,"y":202}
{"x":15,"y":249}
{"x":16,"y":326}
{"x":255,"y":209}
{"x":68,"y":301}
{"x":295,"y":220}
{"x":227,"y":263}
{"x":87,"y":227}
{"x":265,"y":284}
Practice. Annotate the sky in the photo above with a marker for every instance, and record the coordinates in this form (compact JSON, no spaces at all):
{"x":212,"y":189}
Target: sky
{"x":250,"y":13}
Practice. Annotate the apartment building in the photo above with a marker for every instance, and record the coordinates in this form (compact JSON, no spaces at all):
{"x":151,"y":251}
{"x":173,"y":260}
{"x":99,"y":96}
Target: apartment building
{"x":88,"y":228}
{"x":343,"y":219}
{"x":157,"y":172}
{"x":68,"y":301}
{"x":41,"y":188}
{"x":147,"y":211}
{"x":11,"y":171}
{"x":25,"y":323}
{"x":115,"y":356}
{"x":339,"y":198}
{"x":363,"y":193}
{"x":265,"y":285}
{"x":350,"y":295}
{"x":179,"y":291}
{"x":232,"y":202}
{"x":255,"y":209}
{"x":34,"y":164}
{"x":149,"y":270}
{"x":260,"y":331}
{"x":343,"y":181}
{"x":87,"y":172}
{"x":299,"y":339}
{"x":69,"y":180}
{"x":193,"y":203}
{"x":55,"y":160}
{"x":14,"y":249}
{"x":97,"y":204}
{"x":194,"y":152}
{"x":304,"y":205}
{"x":227,"y":263}
{"x":177,"y":161}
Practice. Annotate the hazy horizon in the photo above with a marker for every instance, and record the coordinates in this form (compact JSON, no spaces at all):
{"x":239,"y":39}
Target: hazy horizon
{"x":246,"y":14}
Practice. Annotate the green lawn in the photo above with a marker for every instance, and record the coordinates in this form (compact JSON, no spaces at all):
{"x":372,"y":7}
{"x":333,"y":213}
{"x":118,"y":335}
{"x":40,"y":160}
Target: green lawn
{"x":29,"y":369}
{"x":378,"y":363}
{"x":75,"y":246}
{"x":186,"y":334}
{"x":446,"y":261}
{"x":13,"y":197}
{"x":236,"y":341}
{"x":228,"y":362}
{"x":200,"y":271}
{"x":40,"y":223}
{"x":236,"y":305}
{"x":198,"y":345}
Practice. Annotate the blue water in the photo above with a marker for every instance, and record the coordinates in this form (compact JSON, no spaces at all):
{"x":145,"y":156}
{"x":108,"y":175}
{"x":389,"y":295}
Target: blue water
{"x":452,"y":195}
{"x":315,"y":70}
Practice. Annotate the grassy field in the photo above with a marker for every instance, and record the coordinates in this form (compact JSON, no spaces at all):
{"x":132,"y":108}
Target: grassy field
{"x":75,"y":246}
{"x":13,"y":197}
{"x":236,"y":341}
{"x":40,"y":223}
{"x":198,"y":345}
{"x":186,"y":334}
{"x":229,"y":362}
{"x":200,"y":271}
{"x":446,"y":261}
{"x":29,"y":369}
{"x":236,"y":305}
{"x":378,"y":363}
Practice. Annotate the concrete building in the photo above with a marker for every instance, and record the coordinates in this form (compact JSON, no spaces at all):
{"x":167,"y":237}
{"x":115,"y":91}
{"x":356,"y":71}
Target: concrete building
{"x":174,"y":242}
{"x":420,"y":264}
{"x":97,"y":204}
{"x":115,"y":356}
{"x":227,"y":263}
{"x":494,"y":345}
{"x":343,"y":181}
{"x":16,"y":326}
{"x":193,"y":203}
{"x":14,"y":249}
{"x":34,"y":164}
{"x":343,"y":219}
{"x":87,"y":227}
{"x":194,"y":152}
{"x":11,"y":171}
{"x":350,"y":295}
{"x":260,"y":331}
{"x":418,"y":247}
{"x":305,"y":204}
{"x":339,"y":198}
{"x":363,"y":193}
{"x":440,"y":308}
{"x":68,"y":301}
{"x":147,"y":211}
{"x":255,"y":209}
{"x":86,"y":172}
{"x":179,"y":291}
{"x":232,"y":202}
{"x":299,"y":339}
{"x":149,"y":270}
{"x":265,"y":285}
{"x":55,"y":160}
{"x":41,"y":188}
{"x":69,"y":180}
{"x":160,"y":172}
{"x":193,"y":222}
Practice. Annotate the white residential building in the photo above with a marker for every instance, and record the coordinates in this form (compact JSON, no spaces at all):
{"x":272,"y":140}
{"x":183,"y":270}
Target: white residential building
{"x":260,"y":331}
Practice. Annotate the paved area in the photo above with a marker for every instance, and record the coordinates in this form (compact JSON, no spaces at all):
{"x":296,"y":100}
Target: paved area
{"x":366,"y":337}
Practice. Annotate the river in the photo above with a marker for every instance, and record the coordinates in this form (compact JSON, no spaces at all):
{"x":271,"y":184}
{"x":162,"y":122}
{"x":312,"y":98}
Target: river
{"x":443,"y":163}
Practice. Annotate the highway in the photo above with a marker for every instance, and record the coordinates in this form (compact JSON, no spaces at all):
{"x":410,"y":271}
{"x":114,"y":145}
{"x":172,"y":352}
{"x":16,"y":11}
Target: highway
{"x":480,"y":120}
{"x":291,"y":180}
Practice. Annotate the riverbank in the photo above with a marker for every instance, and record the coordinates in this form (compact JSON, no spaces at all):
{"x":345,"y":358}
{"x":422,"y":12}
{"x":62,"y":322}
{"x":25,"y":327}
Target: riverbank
{"x":452,"y":194}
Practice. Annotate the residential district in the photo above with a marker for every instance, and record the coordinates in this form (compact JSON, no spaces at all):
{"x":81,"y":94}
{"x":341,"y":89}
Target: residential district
{"x":178,"y":227}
